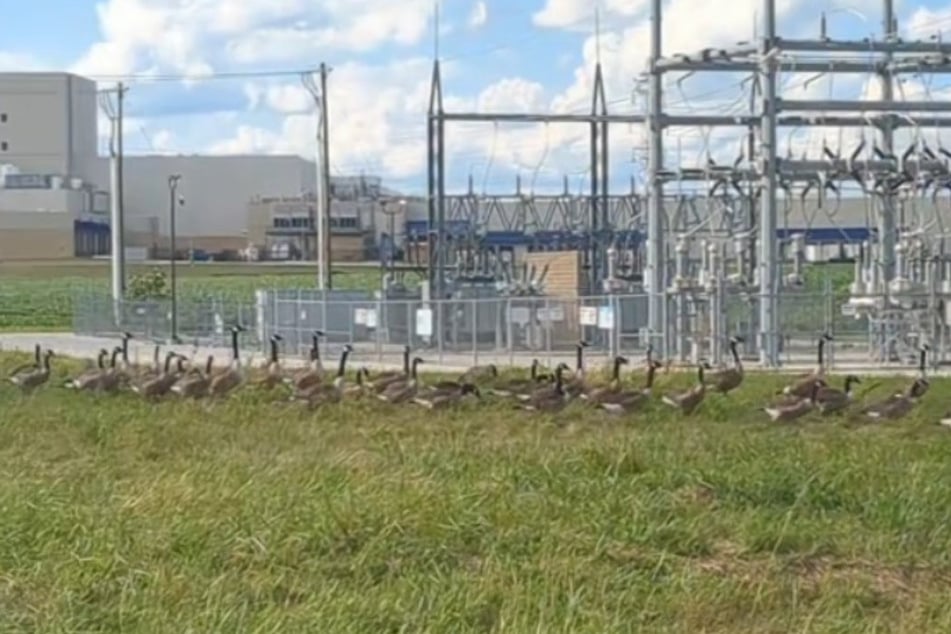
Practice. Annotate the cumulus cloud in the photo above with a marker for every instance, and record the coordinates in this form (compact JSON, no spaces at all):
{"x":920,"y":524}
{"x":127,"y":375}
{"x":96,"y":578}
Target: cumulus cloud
{"x":479,"y":15}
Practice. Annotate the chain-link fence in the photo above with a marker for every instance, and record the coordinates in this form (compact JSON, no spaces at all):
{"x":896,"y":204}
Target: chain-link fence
{"x":510,"y":330}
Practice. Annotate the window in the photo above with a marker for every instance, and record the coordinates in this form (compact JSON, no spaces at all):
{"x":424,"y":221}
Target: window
{"x":3,"y":146}
{"x":3,"y":117}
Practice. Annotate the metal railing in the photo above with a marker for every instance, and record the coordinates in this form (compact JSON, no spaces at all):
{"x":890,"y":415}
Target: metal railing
{"x":514,"y":330}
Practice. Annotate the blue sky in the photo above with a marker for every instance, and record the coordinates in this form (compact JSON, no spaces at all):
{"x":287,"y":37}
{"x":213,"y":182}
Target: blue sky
{"x":498,"y":55}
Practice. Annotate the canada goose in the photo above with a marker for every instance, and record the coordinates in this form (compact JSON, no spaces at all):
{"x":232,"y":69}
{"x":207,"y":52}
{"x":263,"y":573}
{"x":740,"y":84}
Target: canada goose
{"x":88,"y":379}
{"x":158,"y":386}
{"x":194,"y":384}
{"x":361,"y":388}
{"x":627,"y":401}
{"x":313,"y":373}
{"x":324,"y":393}
{"x":273,"y":372}
{"x":549,"y":399}
{"x":923,"y":369}
{"x":520,"y":386}
{"x":797,"y":409}
{"x":444,"y":398}
{"x":36,"y":365}
{"x":576,"y":385}
{"x":728,"y":379}
{"x":688,"y":401}
{"x":384,"y":379}
{"x":900,"y":405}
{"x":126,"y":337}
{"x":31,"y":378}
{"x":400,"y":392}
{"x":480,"y":373}
{"x":227,"y":380}
{"x":110,"y":380}
{"x":802,"y":387}
{"x":830,"y":400}
{"x":596,"y":395}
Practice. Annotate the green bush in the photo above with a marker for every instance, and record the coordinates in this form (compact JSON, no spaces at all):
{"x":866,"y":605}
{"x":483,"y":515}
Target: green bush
{"x":151,"y":285}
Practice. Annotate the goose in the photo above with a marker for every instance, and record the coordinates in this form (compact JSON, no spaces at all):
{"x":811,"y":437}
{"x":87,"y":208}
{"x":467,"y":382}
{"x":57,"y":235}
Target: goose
{"x":385,"y":379}
{"x":231,"y":377}
{"x":111,"y":379}
{"x":36,"y":365}
{"x":898,"y":406}
{"x":797,"y":409}
{"x":478,"y":373}
{"x":688,"y":401}
{"x":88,"y":379}
{"x":549,"y":399}
{"x":273,"y":373}
{"x":444,"y":398}
{"x":31,"y":378}
{"x":627,"y":401}
{"x":802,"y":387}
{"x":158,"y":386}
{"x":537,"y":389}
{"x":360,"y":389}
{"x":520,"y":386}
{"x":728,"y":379}
{"x":924,"y":384}
{"x":400,"y":392}
{"x":194,"y":384}
{"x":830,"y":400}
{"x":577,"y":385}
{"x":313,"y":373}
{"x":596,"y":395}
{"x":324,"y":393}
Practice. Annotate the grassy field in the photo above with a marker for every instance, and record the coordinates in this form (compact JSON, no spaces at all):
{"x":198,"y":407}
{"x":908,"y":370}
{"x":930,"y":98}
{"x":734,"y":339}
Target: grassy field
{"x":248,"y":516}
{"x":39,"y":296}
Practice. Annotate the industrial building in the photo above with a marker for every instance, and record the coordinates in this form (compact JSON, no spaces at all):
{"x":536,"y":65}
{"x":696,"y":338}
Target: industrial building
{"x":55,"y":188}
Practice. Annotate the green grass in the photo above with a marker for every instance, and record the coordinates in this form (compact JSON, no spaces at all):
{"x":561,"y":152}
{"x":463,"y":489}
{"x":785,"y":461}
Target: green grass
{"x":40,"y":297}
{"x":247,"y":516}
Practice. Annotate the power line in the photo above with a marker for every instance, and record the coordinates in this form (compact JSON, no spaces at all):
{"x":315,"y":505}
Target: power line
{"x":213,"y":76}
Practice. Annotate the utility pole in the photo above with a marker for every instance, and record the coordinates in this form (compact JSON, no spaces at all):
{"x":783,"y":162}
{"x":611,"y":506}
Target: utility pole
{"x":173,"y":200}
{"x":114,"y":112}
{"x":318,"y":91}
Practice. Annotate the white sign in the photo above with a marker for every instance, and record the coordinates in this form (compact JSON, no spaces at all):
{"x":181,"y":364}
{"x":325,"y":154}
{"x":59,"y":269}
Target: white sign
{"x":360,"y":316}
{"x":606,"y":318}
{"x":588,"y":316}
{"x":424,"y":322}
{"x":554,"y":313}
{"x":520,"y":315}
{"x":371,"y":318}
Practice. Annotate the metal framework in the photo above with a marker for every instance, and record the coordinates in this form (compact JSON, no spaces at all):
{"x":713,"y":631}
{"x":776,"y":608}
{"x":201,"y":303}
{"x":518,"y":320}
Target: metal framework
{"x":764,"y":176}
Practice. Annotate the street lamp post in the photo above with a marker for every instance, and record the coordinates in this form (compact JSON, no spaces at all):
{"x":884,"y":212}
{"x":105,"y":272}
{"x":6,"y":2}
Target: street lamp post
{"x":174,"y":200}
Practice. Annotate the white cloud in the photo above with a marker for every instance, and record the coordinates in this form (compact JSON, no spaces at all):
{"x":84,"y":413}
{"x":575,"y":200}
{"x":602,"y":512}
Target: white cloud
{"x":479,"y":15}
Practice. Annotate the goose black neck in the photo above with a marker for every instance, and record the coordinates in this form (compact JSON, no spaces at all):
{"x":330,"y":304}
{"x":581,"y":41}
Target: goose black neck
{"x":736,"y":355}
{"x":534,"y":370}
{"x":274,"y":351}
{"x":922,"y":361}
{"x":168,"y":361}
{"x":125,"y":349}
{"x":617,"y":369}
{"x":579,"y":358}
{"x":559,"y":380}
{"x":651,"y":371}
{"x":406,"y":368}
{"x":38,"y":354}
{"x":115,"y":356}
{"x":46,"y":360}
{"x":700,"y":373}
{"x":101,"y":359}
{"x":234,"y":344}
{"x":415,"y":370}
{"x":822,"y":346}
{"x":342,"y":370}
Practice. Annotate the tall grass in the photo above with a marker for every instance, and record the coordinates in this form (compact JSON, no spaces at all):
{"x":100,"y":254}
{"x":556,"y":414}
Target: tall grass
{"x":251,"y":516}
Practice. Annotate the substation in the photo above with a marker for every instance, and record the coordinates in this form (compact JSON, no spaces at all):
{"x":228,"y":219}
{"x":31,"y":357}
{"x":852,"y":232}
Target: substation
{"x":721,"y":259}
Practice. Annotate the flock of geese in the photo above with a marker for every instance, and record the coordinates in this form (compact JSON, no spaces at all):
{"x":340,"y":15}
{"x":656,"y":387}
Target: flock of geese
{"x":314,"y":386}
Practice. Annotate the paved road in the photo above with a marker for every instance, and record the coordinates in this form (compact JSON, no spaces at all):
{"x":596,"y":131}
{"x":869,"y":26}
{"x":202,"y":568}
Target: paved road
{"x":84,"y":347}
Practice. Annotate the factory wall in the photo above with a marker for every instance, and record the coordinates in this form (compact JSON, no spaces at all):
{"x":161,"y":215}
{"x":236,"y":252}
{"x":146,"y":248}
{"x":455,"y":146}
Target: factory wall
{"x":48,"y":123}
{"x":216,"y":190}
{"x":36,"y":235}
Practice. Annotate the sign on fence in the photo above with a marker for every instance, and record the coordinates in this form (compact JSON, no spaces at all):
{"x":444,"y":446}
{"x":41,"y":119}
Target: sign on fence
{"x":424,"y":322}
{"x":588,"y":316}
{"x":606,"y":318}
